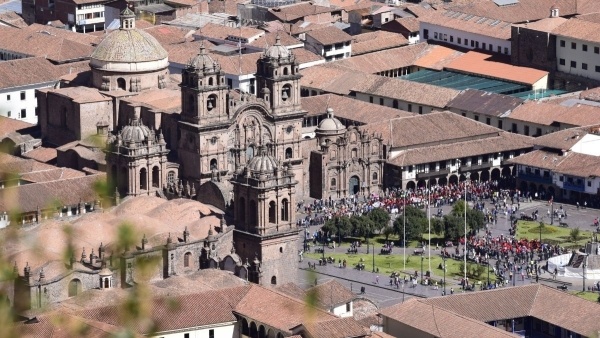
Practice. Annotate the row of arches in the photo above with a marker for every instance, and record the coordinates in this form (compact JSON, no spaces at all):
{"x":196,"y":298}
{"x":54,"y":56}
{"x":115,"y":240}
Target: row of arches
{"x":253,"y":330}
{"x":485,"y":175}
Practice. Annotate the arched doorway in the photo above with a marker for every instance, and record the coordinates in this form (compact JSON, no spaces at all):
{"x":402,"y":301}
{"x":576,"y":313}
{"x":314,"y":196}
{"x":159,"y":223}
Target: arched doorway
{"x":485,"y":175}
{"x":285,"y":210}
{"x":443,"y":181}
{"x":523,"y":186}
{"x":453,"y":179}
{"x":410,"y":185}
{"x":253,"y":330}
{"x":495,"y":174}
{"x":462,"y":177}
{"x":474,"y":176}
{"x":143,"y":179}
{"x":432,"y":182}
{"x":245,"y":327}
{"x":354,"y":185}
{"x":506,"y":172}
{"x":121,"y":83}
{"x":74,"y":287}
{"x":274,"y":280}
{"x":421,"y":184}
{"x":155,"y":177}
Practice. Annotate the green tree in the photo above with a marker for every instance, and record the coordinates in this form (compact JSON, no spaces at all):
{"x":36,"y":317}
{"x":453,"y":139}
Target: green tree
{"x":453,"y":227}
{"x":574,"y":235}
{"x":340,"y":226}
{"x":380,"y":218}
{"x":475,"y":218}
{"x":387,"y":232}
{"x":416,"y":223}
{"x":362,"y":226}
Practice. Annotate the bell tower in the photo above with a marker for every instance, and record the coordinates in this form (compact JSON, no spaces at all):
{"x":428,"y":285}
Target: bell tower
{"x":279,"y":79}
{"x":265,"y":227}
{"x":203,"y":91}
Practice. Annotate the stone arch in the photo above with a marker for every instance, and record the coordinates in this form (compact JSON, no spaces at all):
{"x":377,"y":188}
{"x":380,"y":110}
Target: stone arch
{"x":212,"y":193}
{"x":286,"y":92}
{"x":74,"y":287}
{"x":432,"y":182}
{"x":210,"y":81}
{"x":285,"y":71}
{"x":354,"y":185}
{"x":495,"y":174}
{"x":375,"y":177}
{"x":551,"y":193}
{"x":410,"y":185}
{"x":245,"y":327}
{"x":506,"y":172}
{"x":274,"y":280}
{"x":285,"y":210}
{"x":475,"y":176}
{"x":272,"y":212}
{"x":262,"y":332}
{"x":523,"y":186}
{"x":542,"y":191}
{"x":333,"y":183}
{"x":288,"y":153}
{"x":253,"y":330}
{"x":143,"y":179}
{"x":229,"y":263}
{"x":485,"y":175}
{"x":453,"y":179}
{"x":187,"y":257}
{"x":213,"y":164}
{"x":121,"y":83}
{"x":252,"y":214}
{"x":532,"y":188}
{"x":421,"y":183}
{"x":156,"y":176}
{"x":443,"y":181}
{"x":211,"y":102}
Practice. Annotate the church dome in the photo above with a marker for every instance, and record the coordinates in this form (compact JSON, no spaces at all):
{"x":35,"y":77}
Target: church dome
{"x":129,"y":49}
{"x":203,"y":61}
{"x":135,"y":132}
{"x":262,"y":163}
{"x":330,"y":124}
{"x":278,"y":51}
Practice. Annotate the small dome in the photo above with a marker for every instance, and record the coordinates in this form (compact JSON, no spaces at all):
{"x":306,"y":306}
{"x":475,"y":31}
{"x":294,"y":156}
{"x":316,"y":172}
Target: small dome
{"x":128,"y":49}
{"x":204,"y":61}
{"x":330,"y":123}
{"x":262,"y":163}
{"x":134,"y":132}
{"x":277,"y":51}
{"x":105,"y":272}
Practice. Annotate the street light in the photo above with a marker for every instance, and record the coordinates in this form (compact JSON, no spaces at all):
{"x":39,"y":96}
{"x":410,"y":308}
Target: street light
{"x":488,"y":264}
{"x":422,"y":258}
{"x":444,"y":268}
{"x":373,"y":257}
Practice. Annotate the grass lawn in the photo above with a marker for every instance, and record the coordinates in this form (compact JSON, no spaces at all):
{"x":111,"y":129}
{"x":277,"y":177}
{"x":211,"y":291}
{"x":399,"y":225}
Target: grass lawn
{"x":592,"y":296}
{"x":550,"y":234}
{"x":395,"y":263}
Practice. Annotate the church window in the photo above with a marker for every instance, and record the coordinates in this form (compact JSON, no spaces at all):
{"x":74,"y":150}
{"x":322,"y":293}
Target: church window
{"x":354,"y":153}
{"x":286,"y":92}
{"x":171,"y":177}
{"x":375,"y":149}
{"x":285,"y":210}
{"x":213,"y":164}
{"x":121,"y":83}
{"x":74,"y":287}
{"x":143,"y":179}
{"x":285,"y":71}
{"x":274,"y":280}
{"x":186,"y":259}
{"x":333,"y":183}
{"x":155,"y":177}
{"x":192,"y":103}
{"x":333,"y":154}
{"x":374,"y":177}
{"x":281,"y":249}
{"x":288,"y":153}
{"x":210,"y":81}
{"x":272,"y":217}
{"x":249,"y":153}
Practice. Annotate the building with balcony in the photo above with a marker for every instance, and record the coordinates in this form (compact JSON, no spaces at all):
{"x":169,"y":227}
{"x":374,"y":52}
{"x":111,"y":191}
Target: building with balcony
{"x":563,"y":166}
{"x":79,"y":15}
{"x":330,"y":42}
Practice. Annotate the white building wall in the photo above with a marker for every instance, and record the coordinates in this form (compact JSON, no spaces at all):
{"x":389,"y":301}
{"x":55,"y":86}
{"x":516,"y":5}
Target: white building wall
{"x":567,"y":54}
{"x":414,"y":38}
{"x":589,"y":145}
{"x":403,"y":105}
{"x":13,"y":108}
{"x":452,"y":36}
{"x":329,"y":52}
{"x":340,"y":310}
{"x":226,"y":331}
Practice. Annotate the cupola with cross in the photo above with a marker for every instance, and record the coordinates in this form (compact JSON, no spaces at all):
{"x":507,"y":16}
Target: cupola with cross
{"x":203,"y":90}
{"x":279,"y":79}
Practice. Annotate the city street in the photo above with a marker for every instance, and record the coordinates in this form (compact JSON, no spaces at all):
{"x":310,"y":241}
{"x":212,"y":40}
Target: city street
{"x":385,"y":295}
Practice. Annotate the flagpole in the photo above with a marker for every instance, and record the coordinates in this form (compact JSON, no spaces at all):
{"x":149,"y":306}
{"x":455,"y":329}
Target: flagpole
{"x":404,"y":230}
{"x":429,"y":219}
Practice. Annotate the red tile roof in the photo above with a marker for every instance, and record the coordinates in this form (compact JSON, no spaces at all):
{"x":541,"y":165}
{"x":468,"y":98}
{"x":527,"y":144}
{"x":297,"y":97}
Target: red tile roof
{"x":481,"y":25}
{"x":546,"y":113}
{"x":8,"y":125}
{"x":579,"y":29}
{"x":329,"y":35}
{"x":27,"y":71}
{"x":376,"y":41}
{"x":388,"y":59}
{"x":496,"y":67}
{"x":437,"y":57}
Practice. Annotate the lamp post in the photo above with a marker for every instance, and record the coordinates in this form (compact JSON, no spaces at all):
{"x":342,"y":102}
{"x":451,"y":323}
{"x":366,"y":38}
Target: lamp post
{"x":444,"y":268}
{"x":323,"y":252}
{"x":403,"y":292}
{"x":488,"y":266}
{"x":373,"y":257}
{"x":551,"y":212}
{"x":404,"y":232}
{"x":422,"y":258}
{"x":467,"y":175}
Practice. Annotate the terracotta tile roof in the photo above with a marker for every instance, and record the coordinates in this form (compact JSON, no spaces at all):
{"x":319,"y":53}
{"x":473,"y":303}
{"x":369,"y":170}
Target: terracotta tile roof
{"x":505,"y":141}
{"x":87,"y":39}
{"x":591,"y":94}
{"x":409,"y":91}
{"x":173,"y":313}
{"x":268,"y":40}
{"x":411,"y":24}
{"x":546,"y":114}
{"x":238,"y":64}
{"x":278,"y":310}
{"x":534,"y":300}
{"x":12,"y":19}
{"x":331,"y":78}
{"x":440,"y":322}
{"x":331,"y":294}
{"x":430,"y":129}
{"x":80,"y":94}
{"x":437,"y":57}
{"x":545,"y":25}
{"x":41,"y":154}
{"x":572,"y":163}
{"x":481,"y":25}
{"x":297,"y":11}
{"x":340,"y":327}
{"x":33,"y":43}
{"x":378,"y":334}
{"x":168,"y":35}
{"x":183,"y":2}
{"x":183,"y":52}
{"x":10,"y":164}
{"x":329,"y":35}
{"x":386,"y":59}
{"x":165,"y":100}
{"x":576,"y":28}
{"x":304,"y":26}
{"x":420,"y":10}
{"x":565,"y":139}
{"x":62,"y":325}
{"x":52,"y":175}
{"x":496,"y":67}
{"x":376,"y":41}
{"x":214,"y":31}
{"x":350,"y":109}
{"x":519,"y":12}
{"x":27,"y":71}
{"x":349,"y":5}
{"x":69,"y":191}
{"x":480,"y":102}
{"x":305,"y":56}
{"x":8,"y":125}
{"x":225,"y":6}
{"x":292,"y":290}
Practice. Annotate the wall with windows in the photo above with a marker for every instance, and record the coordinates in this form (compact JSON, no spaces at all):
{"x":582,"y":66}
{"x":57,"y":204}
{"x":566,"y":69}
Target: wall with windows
{"x":227,"y":330}
{"x":464,"y":39}
{"x":332,"y":52}
{"x":577,"y":57}
{"x":394,"y":103}
{"x":20,"y":103}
